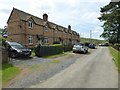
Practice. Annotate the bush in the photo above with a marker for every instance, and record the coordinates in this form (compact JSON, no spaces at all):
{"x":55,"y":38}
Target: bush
{"x":56,"y":42}
{"x":48,"y":50}
{"x":117,"y":46}
{"x":4,"y":50}
{"x":67,"y":48}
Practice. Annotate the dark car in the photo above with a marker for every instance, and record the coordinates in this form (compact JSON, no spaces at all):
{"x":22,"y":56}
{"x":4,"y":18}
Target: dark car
{"x":92,"y":46}
{"x":17,"y":50}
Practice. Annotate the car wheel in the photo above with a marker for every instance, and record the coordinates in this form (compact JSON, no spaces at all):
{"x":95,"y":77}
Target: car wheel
{"x":84,"y":51}
{"x":13,"y":54}
{"x":73,"y":51}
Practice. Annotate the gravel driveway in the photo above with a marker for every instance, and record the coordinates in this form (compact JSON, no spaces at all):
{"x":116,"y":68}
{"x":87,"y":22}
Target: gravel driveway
{"x":36,"y":70}
{"x":96,"y":70}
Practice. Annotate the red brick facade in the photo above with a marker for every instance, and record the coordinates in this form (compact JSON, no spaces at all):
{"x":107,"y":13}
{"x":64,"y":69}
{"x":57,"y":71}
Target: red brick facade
{"x":27,"y":29}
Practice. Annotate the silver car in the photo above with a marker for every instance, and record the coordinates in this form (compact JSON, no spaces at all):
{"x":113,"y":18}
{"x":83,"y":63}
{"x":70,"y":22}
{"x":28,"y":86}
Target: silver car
{"x":80,"y":48}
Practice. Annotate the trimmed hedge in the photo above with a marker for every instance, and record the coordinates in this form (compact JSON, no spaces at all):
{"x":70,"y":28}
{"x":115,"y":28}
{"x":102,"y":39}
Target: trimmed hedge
{"x":67,"y":48}
{"x":41,"y":51}
{"x":117,"y":47}
{"x":3,"y":50}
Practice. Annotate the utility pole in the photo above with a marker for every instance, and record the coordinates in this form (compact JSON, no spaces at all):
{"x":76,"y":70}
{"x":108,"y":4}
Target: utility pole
{"x":90,"y":36}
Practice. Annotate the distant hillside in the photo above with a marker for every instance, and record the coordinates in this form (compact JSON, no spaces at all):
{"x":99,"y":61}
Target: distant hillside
{"x":95,"y":41}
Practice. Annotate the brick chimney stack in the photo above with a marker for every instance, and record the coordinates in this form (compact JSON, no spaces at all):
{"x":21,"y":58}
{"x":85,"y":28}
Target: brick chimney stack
{"x":45,"y":17}
{"x":69,"y":27}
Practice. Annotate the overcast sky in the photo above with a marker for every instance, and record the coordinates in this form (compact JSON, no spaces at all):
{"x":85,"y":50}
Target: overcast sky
{"x":80,"y":14}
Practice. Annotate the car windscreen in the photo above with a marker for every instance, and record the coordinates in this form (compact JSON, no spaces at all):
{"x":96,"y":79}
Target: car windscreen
{"x":15,"y":45}
{"x":80,"y":44}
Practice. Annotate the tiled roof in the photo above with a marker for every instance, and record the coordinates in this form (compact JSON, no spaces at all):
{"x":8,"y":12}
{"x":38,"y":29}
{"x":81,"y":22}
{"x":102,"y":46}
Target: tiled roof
{"x":52,"y":25}
{"x":25,"y":16}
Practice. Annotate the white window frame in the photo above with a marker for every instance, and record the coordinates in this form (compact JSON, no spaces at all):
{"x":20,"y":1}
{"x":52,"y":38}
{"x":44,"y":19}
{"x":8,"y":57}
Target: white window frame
{"x":30,"y":39}
{"x":56,"y":31}
{"x":30,"y":24}
{"x":55,"y":39}
{"x":46,"y":40}
{"x":46,"y":28}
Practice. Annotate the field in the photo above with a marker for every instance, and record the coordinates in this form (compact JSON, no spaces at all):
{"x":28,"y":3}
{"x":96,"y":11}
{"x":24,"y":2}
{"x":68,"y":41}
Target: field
{"x":94,"y":41}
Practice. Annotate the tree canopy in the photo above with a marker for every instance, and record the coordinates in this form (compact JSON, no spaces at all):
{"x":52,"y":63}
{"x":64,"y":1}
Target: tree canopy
{"x":110,"y":15}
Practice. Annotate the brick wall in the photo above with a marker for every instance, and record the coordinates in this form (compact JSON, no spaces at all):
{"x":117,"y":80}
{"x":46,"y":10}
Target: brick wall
{"x":19,"y":31}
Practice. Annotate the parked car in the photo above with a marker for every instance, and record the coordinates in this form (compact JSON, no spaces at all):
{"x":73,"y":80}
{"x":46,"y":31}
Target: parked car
{"x":80,"y":48}
{"x":17,"y":50}
{"x":92,"y":46}
{"x":104,"y":44}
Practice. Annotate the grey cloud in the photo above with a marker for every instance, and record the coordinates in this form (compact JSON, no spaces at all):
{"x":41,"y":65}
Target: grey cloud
{"x":5,"y":11}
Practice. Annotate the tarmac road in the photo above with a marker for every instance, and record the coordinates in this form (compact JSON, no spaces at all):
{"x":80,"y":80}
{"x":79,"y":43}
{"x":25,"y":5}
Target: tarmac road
{"x":96,"y":70}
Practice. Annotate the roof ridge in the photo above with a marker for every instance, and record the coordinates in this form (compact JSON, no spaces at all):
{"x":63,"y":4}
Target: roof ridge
{"x":27,"y":13}
{"x":38,"y":19}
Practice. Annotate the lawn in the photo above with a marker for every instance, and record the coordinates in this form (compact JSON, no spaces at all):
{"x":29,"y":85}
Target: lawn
{"x":8,"y":73}
{"x":116,"y":56}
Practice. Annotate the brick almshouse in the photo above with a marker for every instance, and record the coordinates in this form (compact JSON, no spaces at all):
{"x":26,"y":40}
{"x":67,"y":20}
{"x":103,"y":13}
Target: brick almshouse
{"x":30,"y":30}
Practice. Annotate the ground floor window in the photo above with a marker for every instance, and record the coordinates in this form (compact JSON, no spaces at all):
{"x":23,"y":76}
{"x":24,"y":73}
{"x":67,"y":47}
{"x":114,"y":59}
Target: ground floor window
{"x":46,"y":40}
{"x":30,"y":40}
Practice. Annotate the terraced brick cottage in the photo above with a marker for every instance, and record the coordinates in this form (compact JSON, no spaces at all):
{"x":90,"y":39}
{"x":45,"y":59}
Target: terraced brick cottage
{"x":30,"y":30}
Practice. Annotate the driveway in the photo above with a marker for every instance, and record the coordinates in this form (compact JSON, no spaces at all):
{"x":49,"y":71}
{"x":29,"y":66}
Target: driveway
{"x":96,"y":70}
{"x":35,"y":70}
{"x":93,"y":70}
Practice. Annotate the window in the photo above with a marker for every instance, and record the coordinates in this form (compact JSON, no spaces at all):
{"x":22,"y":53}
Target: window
{"x":46,"y":40}
{"x":55,"y":39}
{"x":30,"y":40}
{"x":56,"y":30}
{"x":30,"y":24}
{"x":46,"y":28}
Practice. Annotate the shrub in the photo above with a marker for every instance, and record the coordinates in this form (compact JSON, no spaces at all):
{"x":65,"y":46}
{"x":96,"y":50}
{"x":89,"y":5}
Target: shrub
{"x":116,"y":46}
{"x":67,"y":48}
{"x":56,"y":42}
{"x":4,"y":50}
{"x":48,"y":50}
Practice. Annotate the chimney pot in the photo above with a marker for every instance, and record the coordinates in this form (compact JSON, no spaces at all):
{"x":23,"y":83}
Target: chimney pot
{"x":69,"y":27}
{"x":45,"y":17}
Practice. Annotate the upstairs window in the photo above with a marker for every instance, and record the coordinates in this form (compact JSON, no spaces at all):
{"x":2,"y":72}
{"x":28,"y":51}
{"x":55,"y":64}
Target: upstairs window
{"x":30,"y":24}
{"x":46,"y":28}
{"x":56,"y":31}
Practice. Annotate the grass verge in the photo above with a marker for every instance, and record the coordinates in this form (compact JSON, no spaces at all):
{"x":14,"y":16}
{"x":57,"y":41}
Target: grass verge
{"x":55,"y":61}
{"x":54,"y":56}
{"x":8,"y":73}
{"x":116,"y":56}
{"x":43,"y":65}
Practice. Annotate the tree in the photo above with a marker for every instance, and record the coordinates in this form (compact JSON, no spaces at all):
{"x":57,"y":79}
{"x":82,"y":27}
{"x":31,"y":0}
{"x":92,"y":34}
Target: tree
{"x":4,"y":31}
{"x":111,"y":17}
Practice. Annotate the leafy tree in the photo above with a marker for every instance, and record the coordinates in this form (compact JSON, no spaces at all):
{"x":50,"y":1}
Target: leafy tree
{"x":111,"y":17}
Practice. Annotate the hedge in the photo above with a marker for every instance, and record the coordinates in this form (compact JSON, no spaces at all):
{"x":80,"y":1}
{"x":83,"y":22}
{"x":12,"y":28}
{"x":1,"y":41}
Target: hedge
{"x":41,"y":51}
{"x":3,"y":50}
{"x":117,"y":46}
{"x":67,"y":48}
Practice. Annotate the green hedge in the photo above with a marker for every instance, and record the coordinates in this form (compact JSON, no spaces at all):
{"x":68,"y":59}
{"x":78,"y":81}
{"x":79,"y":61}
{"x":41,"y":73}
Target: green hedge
{"x":67,"y":48}
{"x":48,"y":50}
{"x":117,"y":46}
{"x":4,"y":52}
